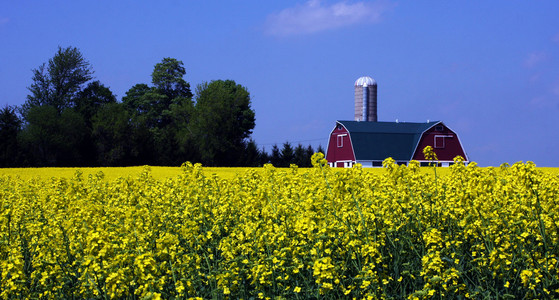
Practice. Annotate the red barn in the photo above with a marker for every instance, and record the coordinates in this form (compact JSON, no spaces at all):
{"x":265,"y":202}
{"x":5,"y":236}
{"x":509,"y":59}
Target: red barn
{"x":369,"y":143}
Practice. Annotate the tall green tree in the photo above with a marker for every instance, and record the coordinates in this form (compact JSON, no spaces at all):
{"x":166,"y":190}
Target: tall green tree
{"x":222,"y":122}
{"x":89,"y":102}
{"x":165,"y":111}
{"x":251,"y":156}
{"x":54,"y":131}
{"x":309,"y":153}
{"x":167,"y":78}
{"x":275,"y":156}
{"x":264,"y":157}
{"x":152,"y":104}
{"x":59,"y":81}
{"x":287,"y":155}
{"x":300,"y":156}
{"x":10,"y":126}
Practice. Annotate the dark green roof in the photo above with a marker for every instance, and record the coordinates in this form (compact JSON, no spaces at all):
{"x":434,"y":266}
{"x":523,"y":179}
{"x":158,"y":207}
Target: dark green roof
{"x":379,"y":140}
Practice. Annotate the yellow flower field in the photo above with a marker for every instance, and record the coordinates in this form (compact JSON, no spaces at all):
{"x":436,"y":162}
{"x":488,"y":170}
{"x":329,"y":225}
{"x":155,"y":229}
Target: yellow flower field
{"x":396,"y":232}
{"x":162,"y":173}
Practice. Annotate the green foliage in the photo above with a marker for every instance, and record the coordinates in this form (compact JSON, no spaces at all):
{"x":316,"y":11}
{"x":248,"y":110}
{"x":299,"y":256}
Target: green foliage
{"x":111,"y":133}
{"x":303,"y":156}
{"x":91,"y":99}
{"x":184,"y":146}
{"x":70,"y":120}
{"x":146,"y":105}
{"x":287,"y":155}
{"x":58,"y":113}
{"x":57,"y":83}
{"x":10,"y":126}
{"x":275,"y":156}
{"x":167,"y":77}
{"x":222,"y":121}
{"x":53,"y":138}
{"x":161,"y":115}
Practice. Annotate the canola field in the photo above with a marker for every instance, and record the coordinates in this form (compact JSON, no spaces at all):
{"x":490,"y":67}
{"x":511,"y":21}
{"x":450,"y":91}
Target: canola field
{"x":267,"y":233}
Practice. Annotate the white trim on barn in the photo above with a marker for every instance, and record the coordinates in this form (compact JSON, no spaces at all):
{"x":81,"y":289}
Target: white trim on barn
{"x":346,"y":164}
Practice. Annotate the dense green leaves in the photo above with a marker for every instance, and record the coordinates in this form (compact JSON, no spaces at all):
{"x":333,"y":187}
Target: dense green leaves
{"x":10,"y":125}
{"x":71,"y":119}
{"x":91,"y":99}
{"x":223,"y":120}
{"x":167,"y":77}
{"x":111,"y":133}
{"x":53,"y":138}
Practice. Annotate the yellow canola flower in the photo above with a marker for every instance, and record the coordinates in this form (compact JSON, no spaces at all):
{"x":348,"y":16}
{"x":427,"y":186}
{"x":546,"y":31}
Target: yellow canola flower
{"x":399,"y":231}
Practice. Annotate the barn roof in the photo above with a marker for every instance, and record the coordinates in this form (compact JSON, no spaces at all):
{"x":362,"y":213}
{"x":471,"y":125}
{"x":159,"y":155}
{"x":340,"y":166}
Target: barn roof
{"x":379,"y":140}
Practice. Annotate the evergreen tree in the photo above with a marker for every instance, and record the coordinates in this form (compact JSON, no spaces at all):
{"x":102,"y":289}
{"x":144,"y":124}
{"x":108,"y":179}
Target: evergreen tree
{"x":251,"y":156}
{"x":287,"y":155}
{"x":308,"y":154}
{"x":300,"y":156}
{"x":275,"y":156}
{"x":320,"y":150}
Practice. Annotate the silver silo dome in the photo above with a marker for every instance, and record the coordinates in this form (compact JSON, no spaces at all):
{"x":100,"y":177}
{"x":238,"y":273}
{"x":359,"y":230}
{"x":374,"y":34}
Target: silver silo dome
{"x":365,"y":99}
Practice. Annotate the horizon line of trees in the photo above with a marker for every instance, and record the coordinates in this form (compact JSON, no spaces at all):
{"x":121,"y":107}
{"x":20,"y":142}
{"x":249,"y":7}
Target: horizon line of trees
{"x":70,"y":119}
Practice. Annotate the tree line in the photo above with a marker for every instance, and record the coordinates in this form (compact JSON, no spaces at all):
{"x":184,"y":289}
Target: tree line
{"x":70,"y":119}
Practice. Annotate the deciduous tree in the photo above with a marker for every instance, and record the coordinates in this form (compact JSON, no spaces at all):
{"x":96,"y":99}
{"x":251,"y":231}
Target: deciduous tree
{"x":167,"y":78}
{"x":223,"y":120}
{"x":59,"y":81}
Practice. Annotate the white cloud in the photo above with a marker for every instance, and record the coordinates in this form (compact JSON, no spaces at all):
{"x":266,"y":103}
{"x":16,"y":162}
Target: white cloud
{"x":313,"y":17}
{"x":534,"y":59}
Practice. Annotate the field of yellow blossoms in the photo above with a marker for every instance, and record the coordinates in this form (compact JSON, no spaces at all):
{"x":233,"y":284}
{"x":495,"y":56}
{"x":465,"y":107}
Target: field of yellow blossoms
{"x":290,"y":233}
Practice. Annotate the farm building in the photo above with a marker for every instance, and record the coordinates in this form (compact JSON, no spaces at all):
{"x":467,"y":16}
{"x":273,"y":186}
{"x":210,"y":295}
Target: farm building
{"x":369,"y":142}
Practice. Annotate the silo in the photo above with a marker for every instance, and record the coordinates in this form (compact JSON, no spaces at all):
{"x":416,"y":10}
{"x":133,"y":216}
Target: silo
{"x":366,"y":99}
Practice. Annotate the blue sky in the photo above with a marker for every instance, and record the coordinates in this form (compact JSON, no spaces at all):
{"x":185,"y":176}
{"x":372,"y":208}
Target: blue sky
{"x":488,"y":69}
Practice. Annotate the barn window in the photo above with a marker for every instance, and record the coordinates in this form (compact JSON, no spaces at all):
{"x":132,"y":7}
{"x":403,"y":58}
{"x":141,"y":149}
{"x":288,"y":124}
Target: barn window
{"x":439,"y":141}
{"x":439,"y":128}
{"x":341,"y":140}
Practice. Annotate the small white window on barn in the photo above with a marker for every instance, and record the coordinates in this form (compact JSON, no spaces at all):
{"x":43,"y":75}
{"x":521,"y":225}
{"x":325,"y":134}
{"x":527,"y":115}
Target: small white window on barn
{"x":341,"y":140}
{"x":439,"y":141}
